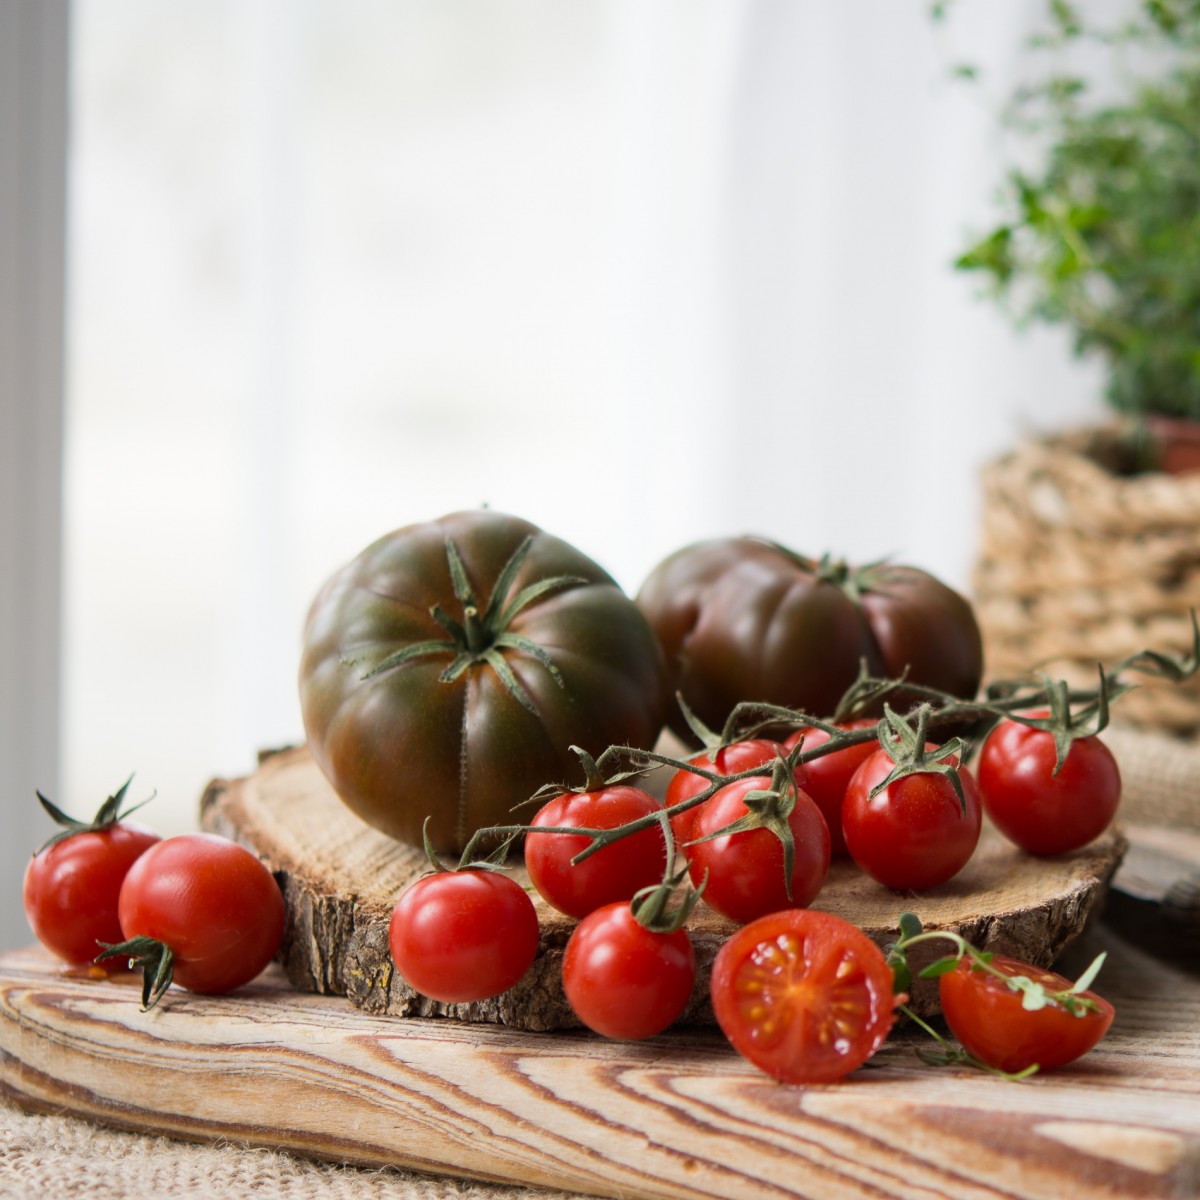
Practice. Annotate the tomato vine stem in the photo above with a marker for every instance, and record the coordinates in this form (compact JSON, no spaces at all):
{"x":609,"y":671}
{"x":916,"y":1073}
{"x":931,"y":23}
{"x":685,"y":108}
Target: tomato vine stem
{"x":1075,"y":712}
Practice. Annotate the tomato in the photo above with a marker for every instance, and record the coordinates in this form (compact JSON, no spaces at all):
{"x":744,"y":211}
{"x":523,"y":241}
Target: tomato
{"x":211,"y":908}
{"x":1042,"y":812}
{"x":449,"y":668}
{"x":746,"y":875}
{"x":747,"y":619}
{"x":626,"y":866}
{"x":915,"y":834}
{"x":826,"y":778}
{"x":987,"y":1017}
{"x":803,"y":995}
{"x":72,"y":884}
{"x":728,"y":760}
{"x":460,"y":936}
{"x":624,"y":980}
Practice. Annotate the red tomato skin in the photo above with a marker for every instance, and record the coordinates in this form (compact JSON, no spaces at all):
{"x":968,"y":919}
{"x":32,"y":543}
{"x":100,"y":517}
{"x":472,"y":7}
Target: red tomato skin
{"x":826,"y":778}
{"x":987,"y":1018}
{"x":745,"y":870}
{"x":614,"y":873}
{"x":621,"y":979}
{"x":70,"y":889}
{"x":1041,"y":812}
{"x":461,"y":936}
{"x":913,"y":835}
{"x":729,"y":760}
{"x":212,"y":902}
{"x":803,"y":995}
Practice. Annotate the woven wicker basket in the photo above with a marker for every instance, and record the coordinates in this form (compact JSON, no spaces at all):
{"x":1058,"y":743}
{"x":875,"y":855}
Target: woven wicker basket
{"x":1079,"y":565}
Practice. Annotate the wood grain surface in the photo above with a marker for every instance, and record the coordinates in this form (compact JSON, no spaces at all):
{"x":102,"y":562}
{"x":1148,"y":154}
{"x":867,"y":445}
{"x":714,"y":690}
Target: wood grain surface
{"x":677,"y":1116}
{"x":341,"y":878}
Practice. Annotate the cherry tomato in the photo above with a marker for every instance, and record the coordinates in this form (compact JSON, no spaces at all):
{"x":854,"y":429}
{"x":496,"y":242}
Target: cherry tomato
{"x":459,"y":936}
{"x":71,"y":888}
{"x":614,"y":873}
{"x":1042,"y":812}
{"x":745,"y":870}
{"x":826,"y":778}
{"x":211,"y":903}
{"x":803,"y":995}
{"x":623,"y":980}
{"x":987,"y":1017}
{"x":728,"y":760}
{"x":914,"y":834}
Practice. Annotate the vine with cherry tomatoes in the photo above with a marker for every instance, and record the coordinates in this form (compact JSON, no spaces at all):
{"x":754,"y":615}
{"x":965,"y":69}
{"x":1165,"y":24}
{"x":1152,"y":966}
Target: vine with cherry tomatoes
{"x":802,"y":994}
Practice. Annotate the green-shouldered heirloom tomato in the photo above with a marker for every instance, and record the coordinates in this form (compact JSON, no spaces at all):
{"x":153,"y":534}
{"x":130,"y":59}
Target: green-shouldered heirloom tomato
{"x":449,"y":668}
{"x":747,"y":619}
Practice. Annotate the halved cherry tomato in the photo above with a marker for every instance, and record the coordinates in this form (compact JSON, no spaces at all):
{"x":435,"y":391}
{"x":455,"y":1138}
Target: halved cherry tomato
{"x":803,"y":995}
{"x":624,"y":980}
{"x":1042,"y":812}
{"x":459,"y":936}
{"x":826,"y":778}
{"x":745,"y":870}
{"x":728,"y":760}
{"x":614,"y":873}
{"x":987,"y":1017}
{"x":916,"y":833}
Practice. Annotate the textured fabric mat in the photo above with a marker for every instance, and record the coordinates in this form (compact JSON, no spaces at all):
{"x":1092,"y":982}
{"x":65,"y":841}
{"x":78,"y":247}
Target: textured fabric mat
{"x":63,"y":1158}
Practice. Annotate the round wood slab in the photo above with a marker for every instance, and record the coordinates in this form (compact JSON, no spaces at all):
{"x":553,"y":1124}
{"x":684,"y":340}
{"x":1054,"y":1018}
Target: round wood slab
{"x":341,"y":878}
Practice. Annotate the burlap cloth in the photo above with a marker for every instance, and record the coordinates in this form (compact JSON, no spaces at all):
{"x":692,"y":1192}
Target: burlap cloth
{"x":62,"y":1157}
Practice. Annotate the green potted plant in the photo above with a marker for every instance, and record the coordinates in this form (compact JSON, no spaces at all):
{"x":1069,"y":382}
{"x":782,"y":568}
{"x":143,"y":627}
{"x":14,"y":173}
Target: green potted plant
{"x":1104,"y":235}
{"x":1090,"y":542}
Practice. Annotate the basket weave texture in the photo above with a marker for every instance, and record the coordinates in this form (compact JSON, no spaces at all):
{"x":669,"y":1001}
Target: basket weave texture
{"x":1078,"y":565}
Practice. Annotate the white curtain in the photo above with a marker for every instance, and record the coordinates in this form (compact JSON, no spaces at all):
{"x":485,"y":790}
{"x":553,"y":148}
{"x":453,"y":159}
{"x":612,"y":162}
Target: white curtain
{"x":641,"y":272}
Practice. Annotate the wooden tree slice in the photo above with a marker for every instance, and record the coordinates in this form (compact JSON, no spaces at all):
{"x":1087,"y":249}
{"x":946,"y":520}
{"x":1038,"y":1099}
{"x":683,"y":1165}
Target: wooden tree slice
{"x":341,"y":879}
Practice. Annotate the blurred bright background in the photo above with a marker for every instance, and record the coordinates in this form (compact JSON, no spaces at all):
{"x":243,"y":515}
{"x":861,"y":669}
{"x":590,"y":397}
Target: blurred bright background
{"x":641,"y":272}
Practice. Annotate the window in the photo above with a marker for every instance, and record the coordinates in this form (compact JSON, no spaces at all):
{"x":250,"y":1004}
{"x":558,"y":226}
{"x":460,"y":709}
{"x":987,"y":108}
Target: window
{"x":640,"y":273}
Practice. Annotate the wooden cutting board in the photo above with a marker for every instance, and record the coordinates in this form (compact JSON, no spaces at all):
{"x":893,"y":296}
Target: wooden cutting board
{"x":341,"y":879}
{"x":677,"y":1116}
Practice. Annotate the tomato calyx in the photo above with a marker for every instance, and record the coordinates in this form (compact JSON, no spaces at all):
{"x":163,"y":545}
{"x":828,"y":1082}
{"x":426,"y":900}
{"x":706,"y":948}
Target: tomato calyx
{"x":1065,"y":724}
{"x":906,"y":746}
{"x":595,"y":779}
{"x":655,"y":907}
{"x":108,"y":814}
{"x":483,"y":631}
{"x":156,"y":960}
{"x":1034,"y":994}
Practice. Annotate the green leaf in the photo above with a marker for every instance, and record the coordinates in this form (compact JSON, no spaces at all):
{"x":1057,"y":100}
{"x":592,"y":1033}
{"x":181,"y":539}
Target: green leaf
{"x":1086,"y":980}
{"x":941,"y":966}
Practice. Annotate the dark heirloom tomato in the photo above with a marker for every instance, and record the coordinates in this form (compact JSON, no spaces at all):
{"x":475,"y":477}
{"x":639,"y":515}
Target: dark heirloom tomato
{"x":424,"y":694}
{"x":746,"y":619}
